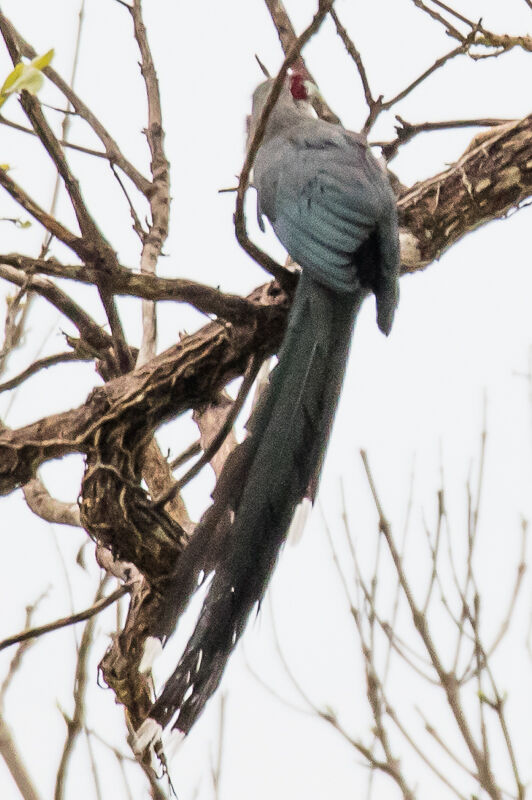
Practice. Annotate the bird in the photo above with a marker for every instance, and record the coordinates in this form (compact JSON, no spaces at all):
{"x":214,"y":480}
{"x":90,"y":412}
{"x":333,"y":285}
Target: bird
{"x":331,"y":205}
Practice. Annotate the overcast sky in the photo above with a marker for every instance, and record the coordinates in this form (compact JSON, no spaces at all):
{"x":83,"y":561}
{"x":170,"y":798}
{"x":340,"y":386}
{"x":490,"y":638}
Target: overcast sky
{"x":460,"y":343}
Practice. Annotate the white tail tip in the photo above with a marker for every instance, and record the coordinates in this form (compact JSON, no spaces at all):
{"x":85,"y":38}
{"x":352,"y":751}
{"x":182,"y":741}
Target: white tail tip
{"x":153,"y":648}
{"x":149,"y":733}
{"x":299,"y":521}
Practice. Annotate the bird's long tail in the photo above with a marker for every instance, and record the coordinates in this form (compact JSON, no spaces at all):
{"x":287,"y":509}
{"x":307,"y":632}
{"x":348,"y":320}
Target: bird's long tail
{"x":263,"y":481}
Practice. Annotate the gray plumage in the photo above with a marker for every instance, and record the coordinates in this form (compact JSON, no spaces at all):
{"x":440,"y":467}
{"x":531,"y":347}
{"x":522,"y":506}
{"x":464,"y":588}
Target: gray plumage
{"x":332,"y":207}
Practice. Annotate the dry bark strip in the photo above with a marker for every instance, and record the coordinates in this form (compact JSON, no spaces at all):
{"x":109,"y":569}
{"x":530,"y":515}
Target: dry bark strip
{"x":492,"y":177}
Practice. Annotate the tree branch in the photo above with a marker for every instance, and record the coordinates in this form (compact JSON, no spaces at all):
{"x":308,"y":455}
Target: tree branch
{"x":124,"y":281}
{"x":181,"y":378}
{"x":94,"y":336}
{"x":14,"y":763}
{"x":98,"y":606}
{"x":47,"y":221}
{"x":37,"y":366}
{"x":484,"y":184}
{"x":79,"y":148}
{"x":50,"y":508}
{"x":159,"y":196}
{"x":112,"y":150}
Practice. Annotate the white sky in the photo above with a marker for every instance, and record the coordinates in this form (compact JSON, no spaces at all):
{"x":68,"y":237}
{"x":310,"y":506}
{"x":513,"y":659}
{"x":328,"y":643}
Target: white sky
{"x":462,"y":334}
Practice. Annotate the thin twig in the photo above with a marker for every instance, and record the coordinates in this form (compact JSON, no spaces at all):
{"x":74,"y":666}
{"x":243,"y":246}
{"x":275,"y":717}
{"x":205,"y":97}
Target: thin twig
{"x":100,"y":605}
{"x":37,"y":366}
{"x":355,"y":55}
{"x":440,"y":62}
{"x":89,"y":331}
{"x":435,"y":549}
{"x":89,"y":151}
{"x":451,"y":30}
{"x":415,"y":747}
{"x":448,"y":680}
{"x":191,"y":451}
{"x":521,"y":569}
{"x":400,"y":646}
{"x":114,"y":154}
{"x":431,"y":730}
{"x":326,"y":715}
{"x":406,"y":131}
{"x":76,"y":723}
{"x":16,"y":661}
{"x":47,"y":221}
{"x":159,"y":196}
{"x":13,"y":761}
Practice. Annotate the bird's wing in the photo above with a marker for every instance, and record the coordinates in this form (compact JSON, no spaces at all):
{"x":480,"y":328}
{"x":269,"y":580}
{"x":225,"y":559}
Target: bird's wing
{"x":325,"y":195}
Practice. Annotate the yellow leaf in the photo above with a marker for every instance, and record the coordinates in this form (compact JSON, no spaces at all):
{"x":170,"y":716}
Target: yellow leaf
{"x":26,"y":76}
{"x":12,"y":77}
{"x":5,"y":167}
{"x":40,"y":62}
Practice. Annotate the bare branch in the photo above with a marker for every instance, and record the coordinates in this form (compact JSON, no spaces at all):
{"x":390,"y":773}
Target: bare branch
{"x":20,"y":652}
{"x":14,"y":322}
{"x":47,"y":221}
{"x":159,"y":197}
{"x":8,"y":748}
{"x":451,"y":30}
{"x":79,"y":148}
{"x":112,"y":150}
{"x":431,"y":730}
{"x":161,"y":388}
{"x":37,"y":366}
{"x":406,"y":131}
{"x":94,"y":336}
{"x":448,"y":680}
{"x":75,"y":724}
{"x":486,"y":182}
{"x":100,"y":605}
{"x":13,"y":761}
{"x":192,"y":450}
{"x":50,"y":508}
{"x":355,"y":55}
{"x":124,"y":281}
{"x":478,"y":34}
{"x":440,"y":62}
{"x":439,"y":774}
